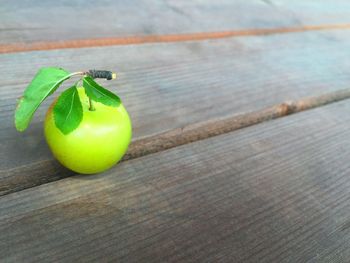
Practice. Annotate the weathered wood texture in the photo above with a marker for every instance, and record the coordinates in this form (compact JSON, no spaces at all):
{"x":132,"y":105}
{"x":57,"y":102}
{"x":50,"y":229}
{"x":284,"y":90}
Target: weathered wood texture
{"x":274,"y":192}
{"x":214,"y":127}
{"x":170,"y":86}
{"x":32,"y":21}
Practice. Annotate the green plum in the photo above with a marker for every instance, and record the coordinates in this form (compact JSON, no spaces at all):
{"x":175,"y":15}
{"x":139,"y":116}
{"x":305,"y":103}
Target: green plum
{"x":99,"y":142}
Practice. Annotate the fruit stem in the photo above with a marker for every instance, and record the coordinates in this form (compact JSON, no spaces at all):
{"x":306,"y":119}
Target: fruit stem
{"x":91,"y":105}
{"x":100,"y":74}
{"x":80,"y":73}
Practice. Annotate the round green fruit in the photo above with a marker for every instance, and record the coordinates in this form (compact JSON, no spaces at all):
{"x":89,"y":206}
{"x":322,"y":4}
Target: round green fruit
{"x":99,"y":142}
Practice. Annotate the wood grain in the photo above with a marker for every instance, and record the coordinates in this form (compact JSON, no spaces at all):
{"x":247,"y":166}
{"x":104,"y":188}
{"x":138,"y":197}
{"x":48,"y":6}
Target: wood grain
{"x":38,"y":21}
{"x":170,"y":86}
{"x":273,"y":192}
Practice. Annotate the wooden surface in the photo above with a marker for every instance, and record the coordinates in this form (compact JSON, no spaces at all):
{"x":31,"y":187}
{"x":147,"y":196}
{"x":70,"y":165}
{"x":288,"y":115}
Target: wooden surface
{"x":37,"y":21}
{"x":268,"y":193}
{"x":218,"y":170}
{"x":173,"y":86}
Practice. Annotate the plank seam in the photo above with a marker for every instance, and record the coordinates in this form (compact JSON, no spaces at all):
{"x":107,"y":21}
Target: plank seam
{"x":138,"y":40}
{"x":200,"y":131}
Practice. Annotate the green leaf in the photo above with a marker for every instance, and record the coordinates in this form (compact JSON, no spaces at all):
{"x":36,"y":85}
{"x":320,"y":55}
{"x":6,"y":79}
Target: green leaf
{"x":45,"y":82}
{"x":68,"y":111}
{"x":98,"y":93}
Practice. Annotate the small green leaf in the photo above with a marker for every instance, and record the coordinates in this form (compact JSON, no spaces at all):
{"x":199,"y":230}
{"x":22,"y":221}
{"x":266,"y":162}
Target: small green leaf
{"x":45,"y":82}
{"x":98,"y":93}
{"x":68,"y":111}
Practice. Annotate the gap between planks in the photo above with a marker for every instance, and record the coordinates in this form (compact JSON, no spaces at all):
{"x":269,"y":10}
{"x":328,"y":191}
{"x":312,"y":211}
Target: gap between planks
{"x":42,"y":172}
{"x":114,"y":41}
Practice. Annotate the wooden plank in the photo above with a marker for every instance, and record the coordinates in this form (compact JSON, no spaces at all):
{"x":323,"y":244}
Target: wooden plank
{"x":214,"y":127}
{"x":274,"y":192}
{"x":170,"y":86}
{"x":28,"y":22}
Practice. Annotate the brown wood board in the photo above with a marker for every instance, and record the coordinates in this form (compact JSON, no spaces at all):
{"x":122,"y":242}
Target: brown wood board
{"x":273,"y":192}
